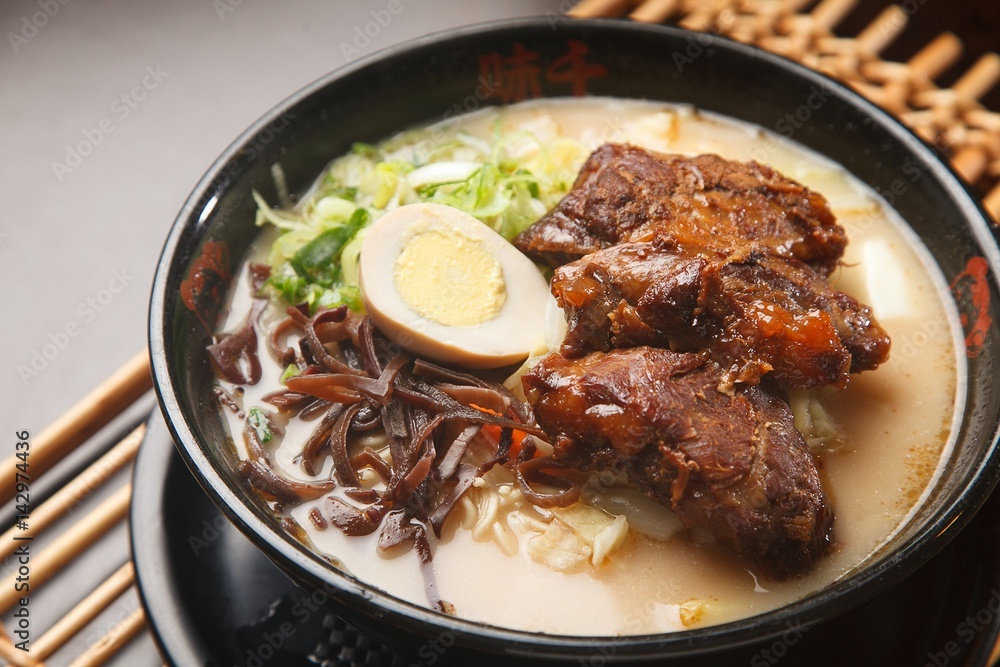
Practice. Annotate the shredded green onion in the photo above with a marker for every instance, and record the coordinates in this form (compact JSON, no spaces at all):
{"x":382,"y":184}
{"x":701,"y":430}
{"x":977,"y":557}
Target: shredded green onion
{"x":258,"y":422}
{"x":290,"y":371}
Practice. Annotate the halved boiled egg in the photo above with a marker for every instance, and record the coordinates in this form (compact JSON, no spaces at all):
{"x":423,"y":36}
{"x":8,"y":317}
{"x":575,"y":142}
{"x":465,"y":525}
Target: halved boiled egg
{"x":443,"y":285}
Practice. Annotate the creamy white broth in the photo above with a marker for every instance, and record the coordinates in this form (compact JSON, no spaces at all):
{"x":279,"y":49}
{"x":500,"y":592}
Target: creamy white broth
{"x":899,"y":420}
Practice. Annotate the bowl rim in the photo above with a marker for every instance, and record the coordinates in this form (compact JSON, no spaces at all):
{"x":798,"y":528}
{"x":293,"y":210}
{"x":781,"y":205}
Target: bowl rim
{"x":374,"y":603}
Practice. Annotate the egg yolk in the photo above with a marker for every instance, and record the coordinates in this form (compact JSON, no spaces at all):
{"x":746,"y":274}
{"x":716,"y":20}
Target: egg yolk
{"x":447,"y":277}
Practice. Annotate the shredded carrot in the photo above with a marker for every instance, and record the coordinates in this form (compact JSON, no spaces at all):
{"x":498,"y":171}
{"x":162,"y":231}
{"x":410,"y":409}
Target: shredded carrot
{"x":493,"y":432}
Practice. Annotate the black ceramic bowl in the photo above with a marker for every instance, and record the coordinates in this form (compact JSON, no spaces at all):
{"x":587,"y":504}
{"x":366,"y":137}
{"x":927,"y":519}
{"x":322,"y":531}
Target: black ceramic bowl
{"x":444,"y":75}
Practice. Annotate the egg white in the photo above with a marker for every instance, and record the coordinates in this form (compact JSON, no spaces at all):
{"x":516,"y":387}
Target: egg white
{"x":508,"y":338}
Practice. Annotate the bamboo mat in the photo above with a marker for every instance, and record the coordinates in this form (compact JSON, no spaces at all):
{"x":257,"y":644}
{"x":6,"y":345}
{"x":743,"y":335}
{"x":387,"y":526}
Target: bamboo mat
{"x":950,"y":118}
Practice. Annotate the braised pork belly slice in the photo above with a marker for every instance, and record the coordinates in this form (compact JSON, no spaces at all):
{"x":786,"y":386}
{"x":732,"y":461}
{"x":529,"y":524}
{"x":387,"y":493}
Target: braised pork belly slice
{"x":625,"y":193}
{"x":757,"y":314}
{"x":733,"y":465}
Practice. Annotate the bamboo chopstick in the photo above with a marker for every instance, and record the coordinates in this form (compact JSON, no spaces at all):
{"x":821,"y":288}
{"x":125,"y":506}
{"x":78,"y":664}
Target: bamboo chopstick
{"x":83,"y":420}
{"x":883,"y":30}
{"x":654,"y":11}
{"x":84,"y":483}
{"x":589,"y":9}
{"x":992,"y":203}
{"x":15,"y":656}
{"x":937,"y":56}
{"x":980,"y":78}
{"x":970,"y":162}
{"x":84,"y":612}
{"x":109,"y":644}
{"x":829,"y":13}
{"x":67,"y":546}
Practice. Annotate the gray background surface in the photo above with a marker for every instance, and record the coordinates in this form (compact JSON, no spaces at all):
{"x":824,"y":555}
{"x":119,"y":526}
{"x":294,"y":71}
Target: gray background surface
{"x":146,"y":94}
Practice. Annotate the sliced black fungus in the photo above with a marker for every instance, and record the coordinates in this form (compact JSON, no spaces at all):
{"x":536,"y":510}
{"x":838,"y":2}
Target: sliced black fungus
{"x":235,"y":354}
{"x":358,"y":383}
{"x":260,"y":476}
{"x":548,"y":472}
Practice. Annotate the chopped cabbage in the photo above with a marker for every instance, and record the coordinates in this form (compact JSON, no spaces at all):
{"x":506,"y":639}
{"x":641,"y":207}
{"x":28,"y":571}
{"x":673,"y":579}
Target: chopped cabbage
{"x":645,"y":515}
{"x":577,"y":535}
{"x":559,"y":548}
{"x":507,"y":181}
{"x":814,"y":422}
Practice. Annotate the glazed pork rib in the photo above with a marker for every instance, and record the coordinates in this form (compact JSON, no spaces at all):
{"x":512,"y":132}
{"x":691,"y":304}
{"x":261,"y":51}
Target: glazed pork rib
{"x":624,"y":193}
{"x":757,"y":314}
{"x":733,"y":465}
{"x":696,"y":294}
{"x":703,"y":253}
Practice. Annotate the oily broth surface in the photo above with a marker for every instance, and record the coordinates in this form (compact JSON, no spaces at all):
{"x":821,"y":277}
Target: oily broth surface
{"x":896,"y":435}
